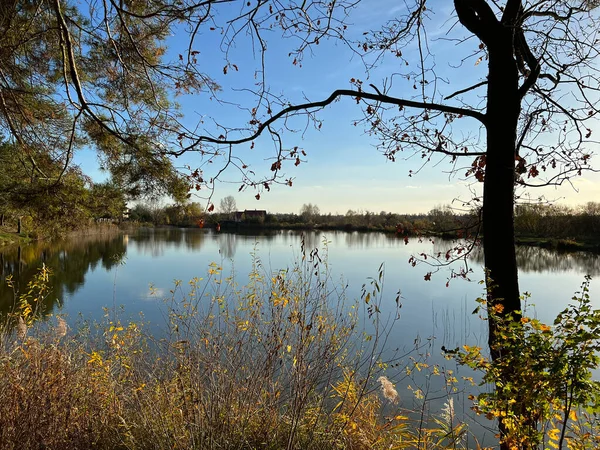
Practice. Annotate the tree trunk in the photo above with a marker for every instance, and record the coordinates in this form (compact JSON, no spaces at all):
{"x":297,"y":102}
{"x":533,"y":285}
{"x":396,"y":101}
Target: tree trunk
{"x":1,"y":220}
{"x":503,"y":108}
{"x":19,"y":225}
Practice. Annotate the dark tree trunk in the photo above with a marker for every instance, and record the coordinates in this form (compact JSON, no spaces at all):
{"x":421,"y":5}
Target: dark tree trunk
{"x":19,"y":225}
{"x":503,"y":107}
{"x":502,"y":118}
{"x":1,"y":220}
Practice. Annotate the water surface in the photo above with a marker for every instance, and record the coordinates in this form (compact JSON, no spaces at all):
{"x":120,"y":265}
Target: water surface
{"x":103,"y":271}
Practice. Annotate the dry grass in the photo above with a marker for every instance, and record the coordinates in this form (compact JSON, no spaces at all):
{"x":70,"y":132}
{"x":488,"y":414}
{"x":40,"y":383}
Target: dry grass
{"x":277,"y":364}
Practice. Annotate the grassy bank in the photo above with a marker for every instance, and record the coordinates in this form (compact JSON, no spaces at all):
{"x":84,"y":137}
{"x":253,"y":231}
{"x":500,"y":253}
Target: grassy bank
{"x":589,"y":244}
{"x":9,"y":236}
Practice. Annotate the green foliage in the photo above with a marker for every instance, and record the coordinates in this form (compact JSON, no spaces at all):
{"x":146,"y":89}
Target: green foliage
{"x":282,"y":363}
{"x":74,"y":78}
{"x":544,"y":393}
{"x":85,"y":252}
{"x":54,"y":199}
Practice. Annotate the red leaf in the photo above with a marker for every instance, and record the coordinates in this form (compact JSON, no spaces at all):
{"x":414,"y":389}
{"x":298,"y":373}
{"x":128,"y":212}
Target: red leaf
{"x":211,"y":208}
{"x":257,"y":196}
{"x":533,"y":172}
{"x":427,"y":276}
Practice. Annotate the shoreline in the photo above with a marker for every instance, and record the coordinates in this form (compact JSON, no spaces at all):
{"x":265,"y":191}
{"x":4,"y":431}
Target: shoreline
{"x":587,"y":244}
{"x":10,"y":238}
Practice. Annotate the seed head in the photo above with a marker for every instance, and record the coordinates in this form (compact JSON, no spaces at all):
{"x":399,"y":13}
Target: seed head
{"x":388,"y":389}
{"x":21,"y":328}
{"x":61,"y":328}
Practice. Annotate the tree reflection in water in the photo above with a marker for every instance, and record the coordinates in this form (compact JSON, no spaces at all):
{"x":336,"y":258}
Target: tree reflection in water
{"x":536,"y":259}
{"x":68,"y":260}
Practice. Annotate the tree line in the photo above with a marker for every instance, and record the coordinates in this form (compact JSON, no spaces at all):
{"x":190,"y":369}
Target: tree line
{"x":532,"y":220}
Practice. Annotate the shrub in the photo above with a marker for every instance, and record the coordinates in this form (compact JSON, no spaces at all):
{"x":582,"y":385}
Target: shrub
{"x":543,"y":390}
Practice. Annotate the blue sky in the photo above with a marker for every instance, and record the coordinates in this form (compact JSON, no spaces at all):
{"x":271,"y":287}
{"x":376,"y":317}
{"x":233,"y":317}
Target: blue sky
{"x":343,"y":169}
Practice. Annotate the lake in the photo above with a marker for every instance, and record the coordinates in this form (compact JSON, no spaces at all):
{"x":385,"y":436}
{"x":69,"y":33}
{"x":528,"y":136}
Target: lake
{"x":134,"y":272}
{"x":92,"y":272}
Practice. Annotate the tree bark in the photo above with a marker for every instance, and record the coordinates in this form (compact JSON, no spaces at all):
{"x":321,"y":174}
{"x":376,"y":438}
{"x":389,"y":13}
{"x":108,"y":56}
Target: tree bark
{"x":19,"y":225}
{"x":503,"y":108}
{"x":502,"y":118}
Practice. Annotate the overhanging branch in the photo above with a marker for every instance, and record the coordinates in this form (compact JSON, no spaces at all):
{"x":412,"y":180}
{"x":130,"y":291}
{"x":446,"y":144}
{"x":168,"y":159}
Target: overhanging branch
{"x":335,"y":95}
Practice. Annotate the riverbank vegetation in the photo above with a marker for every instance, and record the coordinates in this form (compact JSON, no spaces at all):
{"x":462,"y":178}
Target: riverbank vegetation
{"x":557,"y":227}
{"x":546,"y":225}
{"x":285,"y":361}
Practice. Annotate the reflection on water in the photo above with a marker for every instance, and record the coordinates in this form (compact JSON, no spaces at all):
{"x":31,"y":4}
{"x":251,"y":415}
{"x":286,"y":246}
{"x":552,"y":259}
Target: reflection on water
{"x":155,"y":242}
{"x":159,"y":253}
{"x":69,"y":262}
{"x":536,"y":259}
